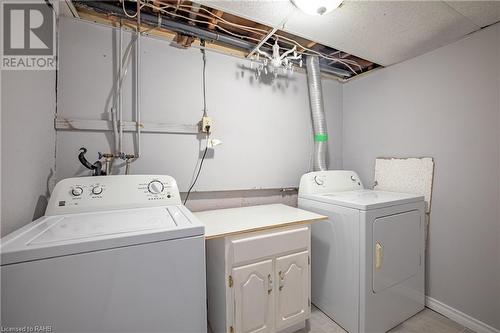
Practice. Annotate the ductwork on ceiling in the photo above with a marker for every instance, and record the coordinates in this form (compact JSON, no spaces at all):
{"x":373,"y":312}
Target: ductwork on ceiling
{"x":317,"y":113}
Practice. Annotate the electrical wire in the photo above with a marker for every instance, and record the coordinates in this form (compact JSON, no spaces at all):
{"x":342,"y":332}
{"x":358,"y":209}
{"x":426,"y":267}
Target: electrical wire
{"x":307,"y":51}
{"x":259,"y":31}
{"x":207,"y":129}
{"x":197,"y":174}
{"x":204,"y":80}
{"x":164,"y":11}
{"x":187,"y":9}
{"x":125,"y":11}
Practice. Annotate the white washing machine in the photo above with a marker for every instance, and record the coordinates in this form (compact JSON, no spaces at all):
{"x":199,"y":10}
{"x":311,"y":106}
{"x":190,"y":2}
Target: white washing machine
{"x":112,"y":254}
{"x":367,"y":259}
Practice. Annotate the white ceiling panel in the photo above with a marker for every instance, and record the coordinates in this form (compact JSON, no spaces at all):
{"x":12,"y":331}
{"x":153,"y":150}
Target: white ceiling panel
{"x":482,"y":13}
{"x":385,"y":32}
{"x":271,"y":13}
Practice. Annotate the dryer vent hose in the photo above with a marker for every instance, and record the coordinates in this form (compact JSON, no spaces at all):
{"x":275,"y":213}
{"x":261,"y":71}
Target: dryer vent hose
{"x":317,"y":113}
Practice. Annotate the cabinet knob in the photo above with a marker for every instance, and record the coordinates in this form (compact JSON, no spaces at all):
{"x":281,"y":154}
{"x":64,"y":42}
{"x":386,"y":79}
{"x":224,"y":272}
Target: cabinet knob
{"x":282,"y":278}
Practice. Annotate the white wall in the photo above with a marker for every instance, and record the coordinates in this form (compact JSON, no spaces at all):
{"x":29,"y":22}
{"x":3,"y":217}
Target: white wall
{"x":265,"y":126}
{"x":444,"y":104}
{"x":28,"y":145}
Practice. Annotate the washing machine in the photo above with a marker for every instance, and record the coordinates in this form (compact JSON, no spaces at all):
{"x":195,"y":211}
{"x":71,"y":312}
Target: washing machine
{"x":112,"y":254}
{"x":367,"y":259}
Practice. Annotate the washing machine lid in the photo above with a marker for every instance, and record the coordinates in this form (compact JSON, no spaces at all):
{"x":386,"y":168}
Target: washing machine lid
{"x":364,"y":199}
{"x":69,"y":234}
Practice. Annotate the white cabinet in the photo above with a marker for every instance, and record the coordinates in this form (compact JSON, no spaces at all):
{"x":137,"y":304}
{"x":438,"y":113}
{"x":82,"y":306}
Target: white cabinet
{"x":260,"y":281}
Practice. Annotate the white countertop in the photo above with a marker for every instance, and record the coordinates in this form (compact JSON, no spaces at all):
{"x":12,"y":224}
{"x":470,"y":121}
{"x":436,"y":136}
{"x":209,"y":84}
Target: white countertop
{"x":232,"y":221}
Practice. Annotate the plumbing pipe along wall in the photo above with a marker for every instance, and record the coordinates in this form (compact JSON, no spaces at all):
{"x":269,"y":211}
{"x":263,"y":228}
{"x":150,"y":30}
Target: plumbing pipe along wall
{"x":317,"y":113}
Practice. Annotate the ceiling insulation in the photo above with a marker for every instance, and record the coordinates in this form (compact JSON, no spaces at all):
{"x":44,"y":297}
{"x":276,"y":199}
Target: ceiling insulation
{"x":187,"y":22}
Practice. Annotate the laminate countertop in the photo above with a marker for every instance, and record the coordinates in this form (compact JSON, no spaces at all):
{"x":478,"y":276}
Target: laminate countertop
{"x":233,"y":221}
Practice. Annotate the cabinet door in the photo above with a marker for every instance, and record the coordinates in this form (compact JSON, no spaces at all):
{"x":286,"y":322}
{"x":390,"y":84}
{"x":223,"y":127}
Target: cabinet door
{"x":292,"y":296}
{"x":254,"y":298}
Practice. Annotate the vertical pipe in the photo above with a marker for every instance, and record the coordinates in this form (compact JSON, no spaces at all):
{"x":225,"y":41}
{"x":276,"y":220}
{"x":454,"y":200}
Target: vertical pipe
{"x":120,"y":100}
{"x":138,"y":80}
{"x":317,"y":113}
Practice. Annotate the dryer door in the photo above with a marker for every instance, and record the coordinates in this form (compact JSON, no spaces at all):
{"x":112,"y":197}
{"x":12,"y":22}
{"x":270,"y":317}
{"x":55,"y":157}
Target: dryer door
{"x":396,"y":249}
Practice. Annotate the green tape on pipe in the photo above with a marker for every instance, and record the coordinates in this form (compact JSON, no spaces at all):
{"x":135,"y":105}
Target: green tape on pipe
{"x":321,"y":137}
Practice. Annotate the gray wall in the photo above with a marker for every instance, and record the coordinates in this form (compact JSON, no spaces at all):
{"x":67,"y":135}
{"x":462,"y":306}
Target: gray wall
{"x":264,"y":124}
{"x":27,"y":108}
{"x":28,"y":145}
{"x":444,"y":104}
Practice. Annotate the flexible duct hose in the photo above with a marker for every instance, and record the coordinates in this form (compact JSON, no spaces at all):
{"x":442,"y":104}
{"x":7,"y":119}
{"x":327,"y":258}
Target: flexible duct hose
{"x":317,"y":113}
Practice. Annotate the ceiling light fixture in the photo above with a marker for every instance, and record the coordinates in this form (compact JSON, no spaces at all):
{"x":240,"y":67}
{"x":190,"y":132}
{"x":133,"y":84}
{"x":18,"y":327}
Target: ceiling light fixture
{"x":276,"y":61}
{"x":317,"y":7}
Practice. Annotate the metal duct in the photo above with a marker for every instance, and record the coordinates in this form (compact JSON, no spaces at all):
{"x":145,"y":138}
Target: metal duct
{"x":317,"y":113}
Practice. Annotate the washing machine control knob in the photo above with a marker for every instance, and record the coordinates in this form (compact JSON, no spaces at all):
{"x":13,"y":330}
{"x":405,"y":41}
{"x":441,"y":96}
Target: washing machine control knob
{"x":318,"y":180}
{"x":96,"y":190}
{"x":77,"y":191}
{"x":155,"y":187}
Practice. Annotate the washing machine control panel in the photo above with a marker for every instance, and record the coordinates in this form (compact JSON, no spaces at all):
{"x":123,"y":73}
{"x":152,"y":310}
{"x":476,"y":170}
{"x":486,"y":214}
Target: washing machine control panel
{"x":88,"y":194}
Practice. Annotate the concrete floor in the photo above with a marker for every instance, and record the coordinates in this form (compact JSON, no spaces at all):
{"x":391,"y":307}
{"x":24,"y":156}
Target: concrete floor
{"x":426,"y":321}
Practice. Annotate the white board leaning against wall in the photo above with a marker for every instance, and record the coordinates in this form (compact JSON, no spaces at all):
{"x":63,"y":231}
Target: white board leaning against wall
{"x":407,"y":175}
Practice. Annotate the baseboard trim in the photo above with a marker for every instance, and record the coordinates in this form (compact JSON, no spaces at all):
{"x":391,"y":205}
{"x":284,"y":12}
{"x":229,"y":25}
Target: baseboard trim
{"x":458,"y":316}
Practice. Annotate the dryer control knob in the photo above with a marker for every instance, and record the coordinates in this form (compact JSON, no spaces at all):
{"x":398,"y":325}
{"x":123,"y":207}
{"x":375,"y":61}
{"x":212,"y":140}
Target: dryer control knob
{"x":318,"y":180}
{"x":155,"y":187}
{"x":77,"y":191}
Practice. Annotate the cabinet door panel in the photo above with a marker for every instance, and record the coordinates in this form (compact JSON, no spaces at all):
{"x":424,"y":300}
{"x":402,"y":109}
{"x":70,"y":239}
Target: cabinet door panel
{"x":254,"y":298}
{"x":292,"y":296}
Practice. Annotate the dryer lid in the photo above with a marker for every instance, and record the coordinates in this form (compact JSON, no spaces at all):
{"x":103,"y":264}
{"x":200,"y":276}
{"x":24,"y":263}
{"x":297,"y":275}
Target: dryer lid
{"x":75,"y":233}
{"x":365,"y":199}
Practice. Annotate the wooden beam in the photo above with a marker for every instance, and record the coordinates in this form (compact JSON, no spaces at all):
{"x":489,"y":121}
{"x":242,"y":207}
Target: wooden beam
{"x":311,"y":44}
{"x":183,"y":40}
{"x":215,"y":20}
{"x":262,"y":41}
{"x":98,"y":125}
{"x":156,"y":3}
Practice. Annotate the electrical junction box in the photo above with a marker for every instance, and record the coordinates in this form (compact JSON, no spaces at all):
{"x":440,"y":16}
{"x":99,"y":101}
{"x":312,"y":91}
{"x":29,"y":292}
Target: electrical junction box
{"x":206,"y":122}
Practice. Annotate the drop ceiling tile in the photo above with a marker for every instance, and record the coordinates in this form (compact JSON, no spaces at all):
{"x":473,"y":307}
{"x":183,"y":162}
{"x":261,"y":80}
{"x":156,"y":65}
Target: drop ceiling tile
{"x":482,"y":13}
{"x":384,"y":32}
{"x":267,"y":12}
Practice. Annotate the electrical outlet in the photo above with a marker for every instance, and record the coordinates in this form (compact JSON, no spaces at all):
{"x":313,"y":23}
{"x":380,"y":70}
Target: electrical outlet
{"x":206,"y":122}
